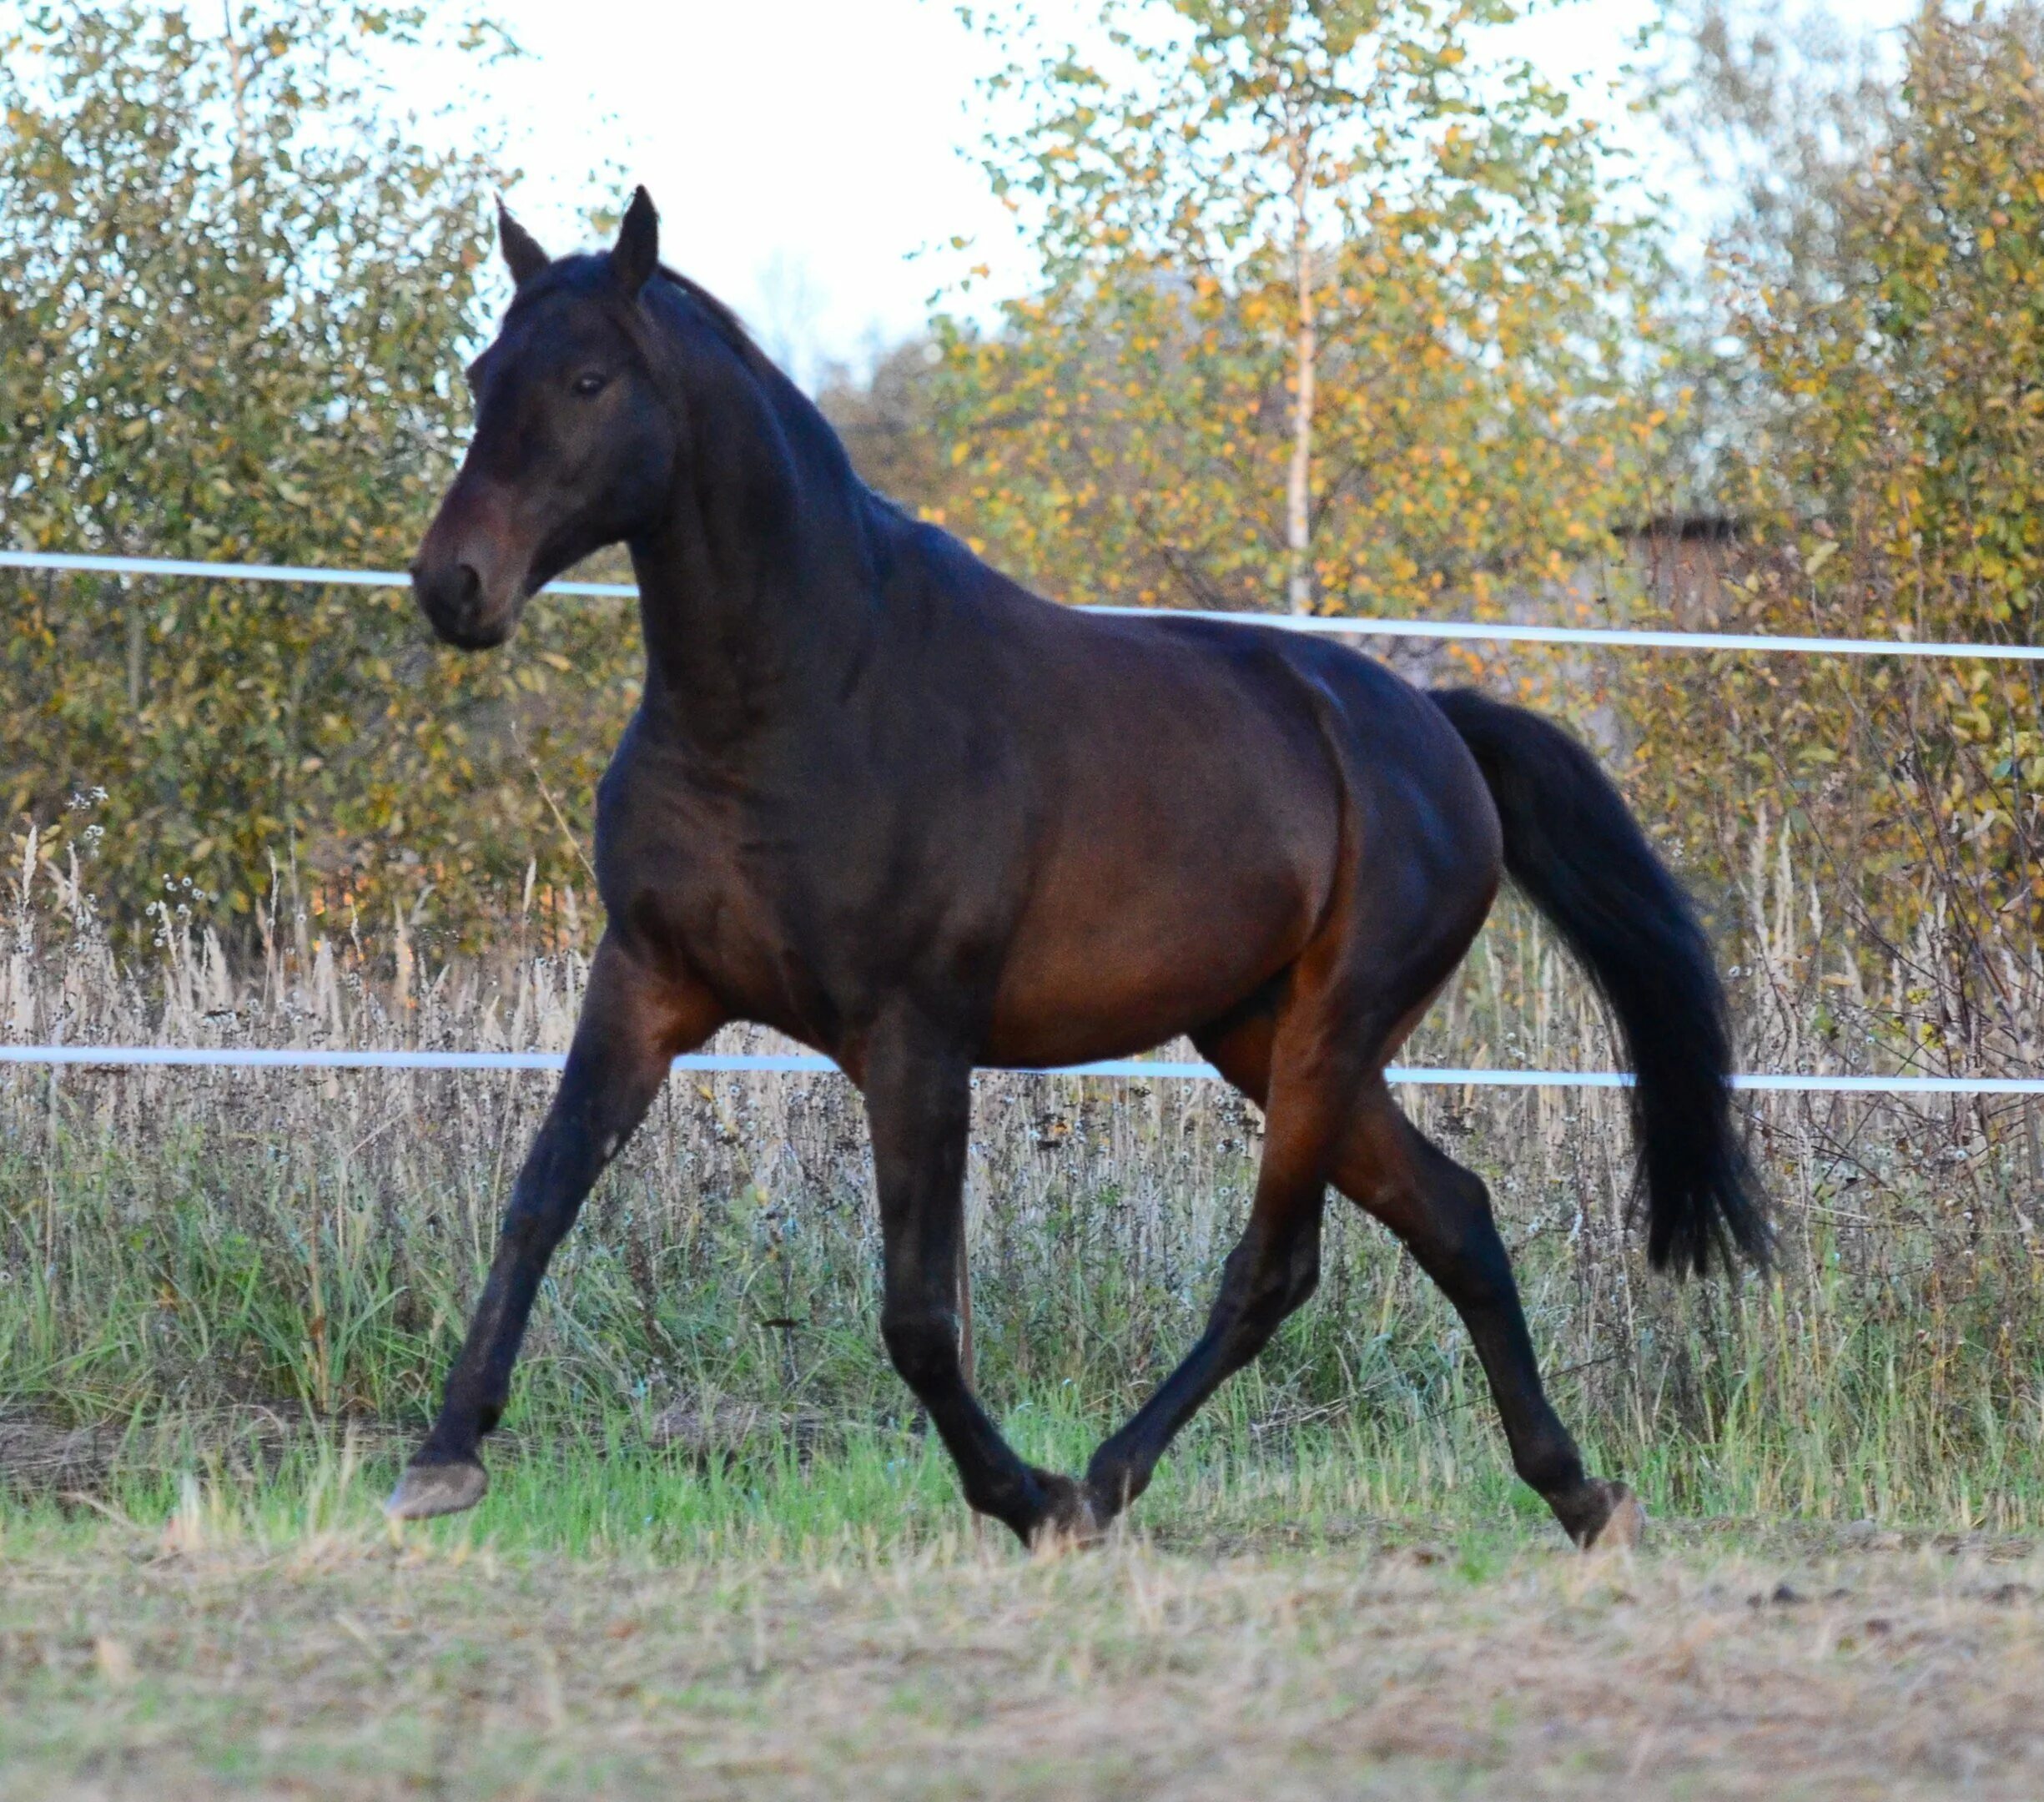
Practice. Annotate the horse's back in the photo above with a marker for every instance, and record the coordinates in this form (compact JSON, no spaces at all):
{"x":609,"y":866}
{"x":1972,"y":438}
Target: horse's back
{"x":1294,"y":718}
{"x":1208,"y":794}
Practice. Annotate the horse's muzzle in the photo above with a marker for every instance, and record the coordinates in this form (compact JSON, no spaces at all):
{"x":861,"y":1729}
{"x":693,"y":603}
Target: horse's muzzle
{"x":451,"y":594}
{"x":469,"y":576}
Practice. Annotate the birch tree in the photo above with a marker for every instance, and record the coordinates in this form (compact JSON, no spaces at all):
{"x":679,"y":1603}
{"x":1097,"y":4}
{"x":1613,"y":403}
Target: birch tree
{"x":1334,"y":311}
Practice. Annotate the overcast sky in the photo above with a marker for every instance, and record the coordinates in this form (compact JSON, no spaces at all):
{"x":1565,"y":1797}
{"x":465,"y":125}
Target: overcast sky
{"x":803,"y":151}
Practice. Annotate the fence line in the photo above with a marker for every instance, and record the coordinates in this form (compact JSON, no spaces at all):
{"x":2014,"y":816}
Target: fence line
{"x":1470,"y":631}
{"x":208,"y":1057}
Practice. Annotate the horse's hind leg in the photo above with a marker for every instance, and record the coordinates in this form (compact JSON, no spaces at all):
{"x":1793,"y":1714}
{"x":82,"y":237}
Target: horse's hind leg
{"x":1441,"y":1213}
{"x":1274,"y":1268}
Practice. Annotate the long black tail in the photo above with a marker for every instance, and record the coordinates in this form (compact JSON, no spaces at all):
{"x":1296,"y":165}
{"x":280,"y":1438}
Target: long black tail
{"x":1573,"y":847}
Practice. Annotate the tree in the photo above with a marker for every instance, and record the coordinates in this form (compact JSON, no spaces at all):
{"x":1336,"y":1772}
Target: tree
{"x":1777,"y":114}
{"x":235,"y":292}
{"x":1879,"y":290}
{"x":1908,"y":366}
{"x":1334,"y":312}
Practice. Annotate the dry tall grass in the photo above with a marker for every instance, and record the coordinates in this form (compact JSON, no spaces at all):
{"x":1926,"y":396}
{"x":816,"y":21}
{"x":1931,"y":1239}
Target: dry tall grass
{"x":183,"y":1244}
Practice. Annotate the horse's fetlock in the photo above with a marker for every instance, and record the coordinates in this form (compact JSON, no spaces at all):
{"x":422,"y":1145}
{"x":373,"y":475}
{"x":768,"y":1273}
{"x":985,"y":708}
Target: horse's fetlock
{"x":1115,"y":1484}
{"x":1014,"y":1500}
{"x":1550,"y":1468}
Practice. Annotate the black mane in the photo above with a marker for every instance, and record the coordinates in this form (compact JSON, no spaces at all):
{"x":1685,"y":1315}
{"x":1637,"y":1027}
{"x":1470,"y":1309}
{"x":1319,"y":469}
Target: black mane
{"x":729,"y":325}
{"x":808,"y":417}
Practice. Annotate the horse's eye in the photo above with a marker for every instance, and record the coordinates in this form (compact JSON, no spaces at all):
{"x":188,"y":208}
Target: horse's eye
{"x":590,"y":384}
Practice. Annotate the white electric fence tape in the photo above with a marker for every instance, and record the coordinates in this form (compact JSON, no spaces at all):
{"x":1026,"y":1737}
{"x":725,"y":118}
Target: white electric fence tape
{"x":1466,"y":630}
{"x":129,"y":1056}
{"x":201,"y":1057}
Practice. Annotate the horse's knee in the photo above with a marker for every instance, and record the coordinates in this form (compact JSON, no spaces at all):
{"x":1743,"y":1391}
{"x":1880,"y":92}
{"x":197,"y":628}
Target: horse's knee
{"x":923,"y":1344}
{"x":1473,"y":1257}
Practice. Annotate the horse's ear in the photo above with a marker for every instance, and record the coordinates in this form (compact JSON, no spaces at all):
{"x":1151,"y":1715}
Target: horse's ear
{"x":637,"y":253}
{"x":522,"y":250}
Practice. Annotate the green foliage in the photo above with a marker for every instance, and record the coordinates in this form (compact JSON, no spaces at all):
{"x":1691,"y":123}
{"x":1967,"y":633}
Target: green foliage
{"x":1889,"y":320}
{"x":1913,"y":422}
{"x":1234,"y":196}
{"x":235,"y":290}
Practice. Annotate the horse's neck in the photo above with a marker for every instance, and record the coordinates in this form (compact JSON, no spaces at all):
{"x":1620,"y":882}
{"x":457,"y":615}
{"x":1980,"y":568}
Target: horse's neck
{"x":758,"y":595}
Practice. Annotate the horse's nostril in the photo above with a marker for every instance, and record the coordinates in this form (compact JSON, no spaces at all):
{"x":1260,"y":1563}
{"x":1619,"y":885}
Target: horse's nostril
{"x":457,"y":585}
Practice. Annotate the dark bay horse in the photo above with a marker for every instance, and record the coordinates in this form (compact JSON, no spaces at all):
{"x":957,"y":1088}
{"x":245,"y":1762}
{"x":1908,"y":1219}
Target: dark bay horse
{"x":881,"y":798}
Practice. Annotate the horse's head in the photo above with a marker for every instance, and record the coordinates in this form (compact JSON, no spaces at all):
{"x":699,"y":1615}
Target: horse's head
{"x":574,"y":446}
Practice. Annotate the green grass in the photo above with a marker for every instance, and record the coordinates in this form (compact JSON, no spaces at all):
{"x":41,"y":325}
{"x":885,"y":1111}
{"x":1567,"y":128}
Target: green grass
{"x":594,"y":1487}
{"x":209,"y":1266}
{"x":868,"y":1490}
{"x":1335,"y":1587}
{"x":206,"y":1261}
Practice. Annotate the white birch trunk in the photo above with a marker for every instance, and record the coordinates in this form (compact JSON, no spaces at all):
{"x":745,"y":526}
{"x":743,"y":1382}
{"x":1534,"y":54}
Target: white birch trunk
{"x":1306,"y":348}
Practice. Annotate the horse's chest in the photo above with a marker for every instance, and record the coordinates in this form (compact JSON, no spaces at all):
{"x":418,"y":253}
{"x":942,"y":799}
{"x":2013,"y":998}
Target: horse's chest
{"x":733,"y":896}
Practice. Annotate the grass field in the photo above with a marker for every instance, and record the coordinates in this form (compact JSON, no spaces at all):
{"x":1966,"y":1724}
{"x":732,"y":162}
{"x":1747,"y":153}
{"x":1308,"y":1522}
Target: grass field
{"x":721,"y":1556}
{"x":629,"y":1627}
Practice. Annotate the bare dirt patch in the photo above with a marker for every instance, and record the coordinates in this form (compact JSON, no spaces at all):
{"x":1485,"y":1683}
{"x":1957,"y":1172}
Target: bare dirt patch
{"x":352,"y":1665}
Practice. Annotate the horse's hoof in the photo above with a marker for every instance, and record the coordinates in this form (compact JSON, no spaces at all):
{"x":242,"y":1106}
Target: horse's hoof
{"x":1069,"y":1521}
{"x":425,"y":1490}
{"x":1624,"y":1524}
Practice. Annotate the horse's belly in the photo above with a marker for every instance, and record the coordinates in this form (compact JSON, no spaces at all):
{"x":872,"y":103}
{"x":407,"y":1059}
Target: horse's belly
{"x":1107,"y":967}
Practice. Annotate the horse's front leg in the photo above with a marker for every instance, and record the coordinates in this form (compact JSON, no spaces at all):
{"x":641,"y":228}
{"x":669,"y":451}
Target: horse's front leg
{"x":919,"y":1104}
{"x":633,"y":1024}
